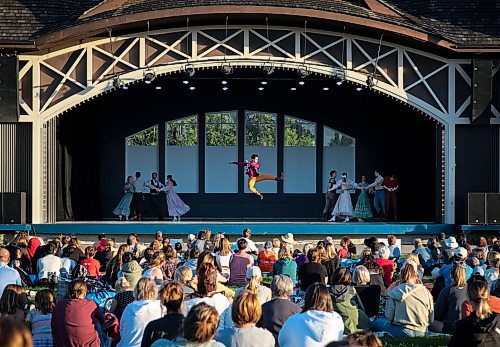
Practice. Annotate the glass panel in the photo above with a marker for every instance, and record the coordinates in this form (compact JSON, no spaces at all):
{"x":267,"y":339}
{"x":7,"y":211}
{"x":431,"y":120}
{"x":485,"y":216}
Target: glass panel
{"x":141,"y":152}
{"x":299,"y":156}
{"x":221,"y":148}
{"x":339,"y":153}
{"x":260,"y":138}
{"x":181,"y":153}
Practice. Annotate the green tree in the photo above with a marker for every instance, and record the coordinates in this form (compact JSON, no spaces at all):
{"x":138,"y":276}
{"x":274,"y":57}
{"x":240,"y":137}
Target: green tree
{"x":148,"y":137}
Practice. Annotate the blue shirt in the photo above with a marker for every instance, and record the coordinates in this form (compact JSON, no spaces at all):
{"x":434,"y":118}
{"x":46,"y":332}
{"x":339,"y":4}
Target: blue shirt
{"x":286,"y":267}
{"x":8,"y":276}
{"x":445,"y":271}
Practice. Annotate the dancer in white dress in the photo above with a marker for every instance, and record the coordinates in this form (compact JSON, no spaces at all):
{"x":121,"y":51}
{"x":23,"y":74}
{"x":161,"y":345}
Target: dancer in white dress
{"x":343,"y":207}
{"x":176,"y":207}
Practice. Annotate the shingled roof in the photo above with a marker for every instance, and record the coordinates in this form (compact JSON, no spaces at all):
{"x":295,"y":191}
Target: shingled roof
{"x":464,"y":23}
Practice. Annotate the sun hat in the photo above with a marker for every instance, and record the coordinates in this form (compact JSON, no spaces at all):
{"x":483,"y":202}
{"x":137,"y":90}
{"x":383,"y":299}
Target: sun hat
{"x":191,"y":237}
{"x":288,"y":238}
{"x":451,"y":242}
{"x":461,"y":253}
{"x":268,"y":245}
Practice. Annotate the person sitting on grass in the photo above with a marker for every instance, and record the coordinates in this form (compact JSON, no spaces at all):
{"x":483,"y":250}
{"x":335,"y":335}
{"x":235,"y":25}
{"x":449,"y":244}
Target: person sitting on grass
{"x":14,"y":303}
{"x":93,"y":266}
{"x":285,"y":264}
{"x":40,"y":318}
{"x":254,"y":285}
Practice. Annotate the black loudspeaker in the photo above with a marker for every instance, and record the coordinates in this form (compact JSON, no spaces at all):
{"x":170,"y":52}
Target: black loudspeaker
{"x":9,"y":88}
{"x":481,"y":89}
{"x":493,"y":208}
{"x":476,"y":208}
{"x":13,"y":208}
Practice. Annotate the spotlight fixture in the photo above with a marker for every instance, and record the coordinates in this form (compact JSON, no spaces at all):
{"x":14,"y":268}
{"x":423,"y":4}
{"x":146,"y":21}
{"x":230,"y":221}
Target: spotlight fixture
{"x":339,"y":82}
{"x":326,"y":89}
{"x":359,"y":89}
{"x":261,"y":88}
{"x":192,"y":88}
{"x":125,"y":87}
{"x":149,"y":76}
{"x":226,"y":69}
{"x":268,"y":69}
{"x":185,"y":82}
{"x":302,"y":83}
{"x":158,"y":87}
{"x":117,"y":83}
{"x":293,"y":89}
{"x":302,"y":71}
{"x":263,"y":83}
{"x":189,"y":70}
{"x":225,"y":88}
{"x":369,"y":81}
{"x":224,"y":82}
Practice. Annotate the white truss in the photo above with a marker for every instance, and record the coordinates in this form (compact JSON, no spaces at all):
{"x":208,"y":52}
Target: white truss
{"x":245,"y":46}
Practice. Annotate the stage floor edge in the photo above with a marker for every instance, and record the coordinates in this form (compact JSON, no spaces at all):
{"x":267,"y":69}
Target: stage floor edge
{"x":235,"y":228}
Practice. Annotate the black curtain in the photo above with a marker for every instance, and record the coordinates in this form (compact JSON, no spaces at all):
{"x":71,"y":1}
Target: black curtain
{"x":78,"y":167}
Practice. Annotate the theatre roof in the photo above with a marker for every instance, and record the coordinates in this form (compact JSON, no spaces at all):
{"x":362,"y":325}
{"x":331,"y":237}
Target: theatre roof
{"x":463,"y":24}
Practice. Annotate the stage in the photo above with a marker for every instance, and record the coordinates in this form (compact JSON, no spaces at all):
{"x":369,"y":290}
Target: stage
{"x":236,"y":227}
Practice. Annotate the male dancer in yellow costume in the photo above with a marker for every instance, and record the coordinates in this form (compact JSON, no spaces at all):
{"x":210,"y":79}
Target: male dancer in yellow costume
{"x":254,"y":175}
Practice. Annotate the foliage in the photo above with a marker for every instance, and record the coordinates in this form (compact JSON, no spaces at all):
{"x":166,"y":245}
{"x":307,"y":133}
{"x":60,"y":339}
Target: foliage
{"x":299,"y":132}
{"x":182,"y":132}
{"x":334,"y":138}
{"x":221,"y":129}
{"x":260,"y":129}
{"x":435,"y":341}
{"x":148,"y":137}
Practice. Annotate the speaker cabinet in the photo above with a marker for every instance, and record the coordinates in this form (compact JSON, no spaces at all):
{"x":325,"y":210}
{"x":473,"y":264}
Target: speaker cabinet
{"x":13,"y":208}
{"x":493,"y":208}
{"x":476,"y":208}
{"x":9,"y":88}
{"x":481,"y":89}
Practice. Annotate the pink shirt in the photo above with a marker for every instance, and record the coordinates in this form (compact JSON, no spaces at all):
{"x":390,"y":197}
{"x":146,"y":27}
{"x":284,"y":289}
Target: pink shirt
{"x":253,"y":168}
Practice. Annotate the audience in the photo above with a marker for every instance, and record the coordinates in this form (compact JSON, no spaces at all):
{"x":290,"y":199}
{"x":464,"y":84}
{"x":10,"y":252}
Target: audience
{"x":124,"y":296}
{"x":183,"y":275}
{"x":50,"y":265}
{"x":254,"y":285}
{"x":317,"y":325}
{"x":285,"y":264}
{"x":245,"y":312}
{"x":223,"y":257}
{"x":90,"y":264}
{"x":267,"y":258}
{"x":139,"y":313}
{"x":369,"y":294}
{"x":239,"y":263}
{"x":313,"y":271}
{"x":14,"y":335}
{"x":8,"y":275}
{"x":14,"y":303}
{"x":39,"y":319}
{"x":387,"y":265}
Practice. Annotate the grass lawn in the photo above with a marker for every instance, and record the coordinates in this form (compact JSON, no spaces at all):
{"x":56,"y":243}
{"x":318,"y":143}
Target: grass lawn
{"x":437,"y":341}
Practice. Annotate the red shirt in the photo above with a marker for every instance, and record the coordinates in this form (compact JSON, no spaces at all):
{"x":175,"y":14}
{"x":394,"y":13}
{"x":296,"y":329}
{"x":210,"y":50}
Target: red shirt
{"x":74,"y":323}
{"x":266,"y":260}
{"x":466,"y":308}
{"x":92,"y":266}
{"x":388,"y":267}
{"x":390,"y":183}
{"x":343,"y":253}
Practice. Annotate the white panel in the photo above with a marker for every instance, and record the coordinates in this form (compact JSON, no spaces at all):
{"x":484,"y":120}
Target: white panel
{"x":340,"y":158}
{"x":182,"y":163}
{"x":143,"y":159}
{"x":221,"y":177}
{"x":268,"y":159}
{"x":300,"y":170}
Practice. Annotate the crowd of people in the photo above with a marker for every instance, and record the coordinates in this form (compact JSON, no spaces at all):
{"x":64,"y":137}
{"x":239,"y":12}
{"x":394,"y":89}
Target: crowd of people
{"x":211,"y":292}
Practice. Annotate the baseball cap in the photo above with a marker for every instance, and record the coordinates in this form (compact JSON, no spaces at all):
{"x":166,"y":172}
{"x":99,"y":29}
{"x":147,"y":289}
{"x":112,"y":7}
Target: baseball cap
{"x":191,"y":237}
{"x":253,"y":271}
{"x":461,"y":253}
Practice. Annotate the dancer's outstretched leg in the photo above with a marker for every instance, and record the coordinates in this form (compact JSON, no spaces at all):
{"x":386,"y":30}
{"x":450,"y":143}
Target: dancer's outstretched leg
{"x":251,"y":187}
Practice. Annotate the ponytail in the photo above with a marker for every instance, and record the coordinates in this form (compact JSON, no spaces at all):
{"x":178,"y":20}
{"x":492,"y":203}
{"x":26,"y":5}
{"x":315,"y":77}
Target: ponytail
{"x":479,"y":293}
{"x":253,"y":285}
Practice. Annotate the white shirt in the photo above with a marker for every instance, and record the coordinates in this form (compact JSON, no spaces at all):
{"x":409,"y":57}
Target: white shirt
{"x":134,"y":319}
{"x":138,"y":185}
{"x":218,"y":301}
{"x":311,"y":329}
{"x":67,"y":266}
{"x":47,"y":264}
{"x":8,"y":276}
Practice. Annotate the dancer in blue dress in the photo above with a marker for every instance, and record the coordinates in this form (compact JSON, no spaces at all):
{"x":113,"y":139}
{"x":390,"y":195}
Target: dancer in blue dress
{"x":123,"y":208}
{"x":176,"y":207}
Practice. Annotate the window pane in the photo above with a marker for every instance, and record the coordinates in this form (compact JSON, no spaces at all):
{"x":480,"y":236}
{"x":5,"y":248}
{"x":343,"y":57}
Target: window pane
{"x":260,"y":138}
{"x":221,"y":148}
{"x":300,"y":156}
{"x":141,"y":152}
{"x":181,"y":153}
{"x":339,"y":152}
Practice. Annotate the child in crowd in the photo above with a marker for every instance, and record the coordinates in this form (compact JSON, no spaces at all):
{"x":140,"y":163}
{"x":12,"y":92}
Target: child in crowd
{"x":39,"y":319}
{"x":90,"y":264}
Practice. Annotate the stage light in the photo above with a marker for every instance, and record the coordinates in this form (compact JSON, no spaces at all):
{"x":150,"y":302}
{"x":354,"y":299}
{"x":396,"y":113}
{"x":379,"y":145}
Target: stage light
{"x":339,"y":83}
{"x":293,"y":88}
{"x":189,"y":70}
{"x":359,"y":89}
{"x":302,"y":72}
{"x":326,"y":89}
{"x":225,"y":88}
{"x":263,"y":82}
{"x":125,"y":87}
{"x":192,"y":88}
{"x":369,"y":81}
{"x":149,"y":76}
{"x":302,"y":83}
{"x":268,"y":69}
{"x":158,"y":87}
{"x":224,"y":82}
{"x":185,"y":82}
{"x":226,"y":69}
{"x":261,"y":88}
{"x":117,"y":83}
